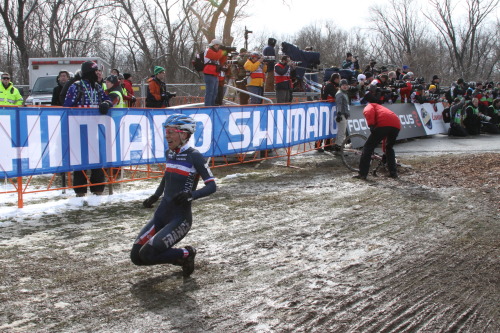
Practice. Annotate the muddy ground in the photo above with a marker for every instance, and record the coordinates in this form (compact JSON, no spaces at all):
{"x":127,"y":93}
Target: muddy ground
{"x":304,"y":249}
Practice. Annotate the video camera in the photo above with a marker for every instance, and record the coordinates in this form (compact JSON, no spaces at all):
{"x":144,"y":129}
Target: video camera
{"x":227,"y":48}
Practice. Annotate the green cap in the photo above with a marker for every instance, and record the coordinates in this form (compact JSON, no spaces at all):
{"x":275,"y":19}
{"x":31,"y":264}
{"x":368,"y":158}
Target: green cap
{"x":158,"y":69}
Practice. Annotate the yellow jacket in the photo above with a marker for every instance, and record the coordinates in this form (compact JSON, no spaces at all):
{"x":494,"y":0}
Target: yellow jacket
{"x":10,"y":95}
{"x":257,"y":73}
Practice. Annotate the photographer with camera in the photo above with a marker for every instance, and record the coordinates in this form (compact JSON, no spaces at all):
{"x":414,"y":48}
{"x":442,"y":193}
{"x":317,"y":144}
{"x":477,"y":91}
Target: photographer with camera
{"x":257,"y":68}
{"x":239,"y":74}
{"x":283,"y":80}
{"x":269,"y":53}
{"x":157,"y":95}
{"x":350,"y":62}
{"x":211,"y":71}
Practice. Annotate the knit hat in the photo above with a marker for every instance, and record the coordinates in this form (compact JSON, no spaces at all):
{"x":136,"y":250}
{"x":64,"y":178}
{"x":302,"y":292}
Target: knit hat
{"x":243,"y":50}
{"x":361,"y":77}
{"x":215,"y":42}
{"x":158,"y":69}
{"x":432,"y":87}
{"x":89,"y":66}
{"x":344,"y":81}
{"x":435,"y":77}
{"x":127,"y":76}
{"x":113,"y":79}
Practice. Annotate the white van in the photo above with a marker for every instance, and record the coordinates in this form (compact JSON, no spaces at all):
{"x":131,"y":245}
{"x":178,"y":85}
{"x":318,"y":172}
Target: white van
{"x":43,"y":75}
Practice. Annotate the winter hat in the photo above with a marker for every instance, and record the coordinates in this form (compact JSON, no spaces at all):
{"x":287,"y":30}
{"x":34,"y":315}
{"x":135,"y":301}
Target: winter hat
{"x":89,"y":66}
{"x":344,"y":81}
{"x":432,"y":87}
{"x":127,"y":76}
{"x":361,"y":77}
{"x":243,"y":50}
{"x":113,"y":79}
{"x":158,"y":69}
{"x":435,"y":77}
{"x":215,"y":42}
{"x":368,"y":75}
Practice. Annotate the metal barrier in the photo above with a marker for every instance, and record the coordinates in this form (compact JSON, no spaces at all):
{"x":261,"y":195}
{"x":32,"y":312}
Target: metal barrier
{"x":118,"y":176}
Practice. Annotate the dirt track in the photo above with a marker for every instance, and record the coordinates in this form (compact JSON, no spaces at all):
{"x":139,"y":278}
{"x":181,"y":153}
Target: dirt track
{"x":280,"y":250}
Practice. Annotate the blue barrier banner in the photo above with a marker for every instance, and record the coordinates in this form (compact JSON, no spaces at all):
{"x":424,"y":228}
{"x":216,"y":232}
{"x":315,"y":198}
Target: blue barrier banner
{"x":416,"y":120}
{"x":51,"y":140}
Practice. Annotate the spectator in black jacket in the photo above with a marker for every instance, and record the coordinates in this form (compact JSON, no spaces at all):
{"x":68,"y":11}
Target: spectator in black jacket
{"x":61,"y":79}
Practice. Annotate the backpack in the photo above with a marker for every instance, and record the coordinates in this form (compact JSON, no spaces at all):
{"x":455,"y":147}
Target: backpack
{"x":199,"y":61}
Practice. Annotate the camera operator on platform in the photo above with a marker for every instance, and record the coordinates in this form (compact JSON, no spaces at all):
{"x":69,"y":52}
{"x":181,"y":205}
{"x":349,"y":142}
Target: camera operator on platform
{"x":256,"y":66}
{"x":283,"y":81}
{"x":269,"y":54}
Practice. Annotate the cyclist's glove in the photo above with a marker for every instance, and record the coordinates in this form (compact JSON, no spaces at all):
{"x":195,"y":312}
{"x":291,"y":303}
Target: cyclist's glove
{"x":372,"y":128}
{"x":339,"y":118}
{"x":182,"y":197}
{"x":148,"y":203}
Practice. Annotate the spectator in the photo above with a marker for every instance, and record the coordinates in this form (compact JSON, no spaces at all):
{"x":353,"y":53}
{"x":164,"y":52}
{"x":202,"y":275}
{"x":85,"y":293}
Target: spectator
{"x":350,"y":62}
{"x":458,"y":89}
{"x":221,"y":80}
{"x":362,"y":84}
{"x":240,"y":74}
{"x":212,"y":57}
{"x":436,"y":81}
{"x":114,"y":91}
{"x":100,"y":78}
{"x":82,"y":93}
{"x":457,"y":127}
{"x":61,"y":80}
{"x":494,"y":112}
{"x":9,"y":95}
{"x":269,"y":53}
{"x":472,"y":121}
{"x":383,"y":124}
{"x":157,"y":95}
{"x":255,"y":65}
{"x":329,"y":90}
{"x":127,"y":84}
{"x":283,"y":80}
{"x":371,"y":67}
{"x":406,"y":90}
{"x":342,"y":103}
{"x":328,"y":93}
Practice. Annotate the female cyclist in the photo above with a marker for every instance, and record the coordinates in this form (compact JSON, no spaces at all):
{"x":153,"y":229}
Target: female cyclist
{"x":172,"y":219}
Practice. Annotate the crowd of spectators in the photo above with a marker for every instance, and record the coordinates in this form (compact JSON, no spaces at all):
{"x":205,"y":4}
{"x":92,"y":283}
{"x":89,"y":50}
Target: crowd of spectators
{"x":470,"y":107}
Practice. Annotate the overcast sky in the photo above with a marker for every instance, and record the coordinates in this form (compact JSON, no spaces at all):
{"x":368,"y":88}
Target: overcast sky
{"x":274,"y":19}
{"x":271,"y":16}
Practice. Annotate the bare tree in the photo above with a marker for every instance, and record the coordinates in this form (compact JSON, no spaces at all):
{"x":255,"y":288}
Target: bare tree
{"x":466,"y":41}
{"x":16,"y":15}
{"x":399,"y":31}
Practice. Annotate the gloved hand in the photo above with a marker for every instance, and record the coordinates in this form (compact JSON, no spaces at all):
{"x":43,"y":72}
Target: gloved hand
{"x":182,"y":197}
{"x":372,"y":128}
{"x":105,"y":106}
{"x":133,"y":99}
{"x":338,"y":118}
{"x":170,"y":95}
{"x":148,"y":203}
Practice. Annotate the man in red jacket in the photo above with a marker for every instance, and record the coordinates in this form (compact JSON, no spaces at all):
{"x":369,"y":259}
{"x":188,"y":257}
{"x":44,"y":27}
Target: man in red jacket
{"x":384,"y":124}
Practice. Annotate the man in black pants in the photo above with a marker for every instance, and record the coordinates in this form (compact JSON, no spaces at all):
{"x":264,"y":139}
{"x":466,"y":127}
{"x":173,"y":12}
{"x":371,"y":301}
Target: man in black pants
{"x":384,"y":125}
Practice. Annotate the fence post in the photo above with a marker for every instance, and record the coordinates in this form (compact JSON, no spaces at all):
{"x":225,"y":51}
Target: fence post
{"x":20,"y":192}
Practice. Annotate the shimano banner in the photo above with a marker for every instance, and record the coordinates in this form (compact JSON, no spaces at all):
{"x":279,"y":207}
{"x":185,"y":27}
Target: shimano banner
{"x":50,"y":140}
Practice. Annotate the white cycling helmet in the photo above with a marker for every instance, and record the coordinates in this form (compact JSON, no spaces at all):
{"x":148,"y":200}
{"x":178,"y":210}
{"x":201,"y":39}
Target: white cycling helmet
{"x":181,"y":122}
